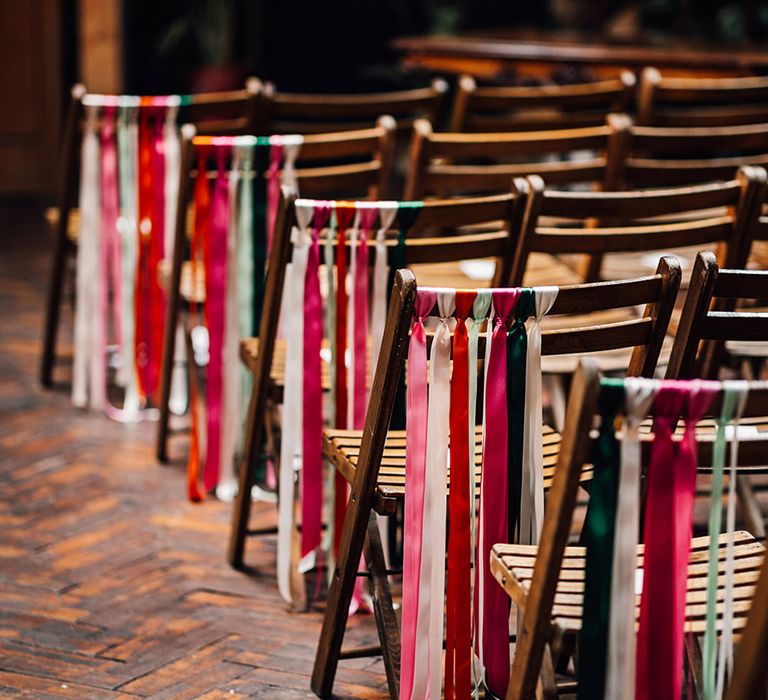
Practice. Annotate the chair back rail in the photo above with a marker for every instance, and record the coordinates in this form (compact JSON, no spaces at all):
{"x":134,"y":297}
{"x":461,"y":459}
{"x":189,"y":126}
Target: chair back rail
{"x":609,"y":222}
{"x":537,"y":108}
{"x":691,"y":102}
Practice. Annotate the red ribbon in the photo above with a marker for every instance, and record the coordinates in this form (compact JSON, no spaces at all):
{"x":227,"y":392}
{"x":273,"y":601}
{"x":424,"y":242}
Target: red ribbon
{"x":415,"y":481}
{"x":200,"y":235}
{"x":143,"y":277}
{"x":110,"y":207}
{"x":273,"y":186}
{"x":312,"y":438}
{"x":494,"y":631}
{"x":360,"y":339}
{"x":345,"y":212}
{"x":458,"y":639}
{"x":215,"y":297}
{"x":669,"y":507}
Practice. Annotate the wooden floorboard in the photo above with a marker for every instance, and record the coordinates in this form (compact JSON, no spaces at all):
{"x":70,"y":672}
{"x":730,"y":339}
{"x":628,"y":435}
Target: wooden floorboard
{"x":112,"y":585}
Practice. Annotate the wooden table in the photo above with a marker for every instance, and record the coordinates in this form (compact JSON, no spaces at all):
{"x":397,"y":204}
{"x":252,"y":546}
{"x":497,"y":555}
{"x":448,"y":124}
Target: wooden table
{"x":487,"y":56}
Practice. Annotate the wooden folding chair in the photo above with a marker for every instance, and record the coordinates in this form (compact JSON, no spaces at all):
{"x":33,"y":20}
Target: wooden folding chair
{"x":539,"y":107}
{"x":601,"y":223}
{"x":711,"y":324}
{"x":373,"y":462}
{"x":267,"y":365}
{"x":221,"y":112}
{"x":349,"y":163}
{"x":535,"y":577}
{"x":300,"y":113}
{"x":692,"y":102}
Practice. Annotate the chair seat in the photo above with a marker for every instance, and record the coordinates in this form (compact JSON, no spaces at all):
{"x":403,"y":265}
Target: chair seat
{"x":342,"y":448}
{"x":512,"y":566}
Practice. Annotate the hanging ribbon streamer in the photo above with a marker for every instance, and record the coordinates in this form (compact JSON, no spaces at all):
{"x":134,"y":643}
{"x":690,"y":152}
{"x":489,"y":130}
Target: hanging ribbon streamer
{"x":620,"y":678}
{"x":87,"y":375}
{"x":725,"y":654}
{"x":291,"y":440}
{"x":533,"y":453}
{"x":128,"y":145}
{"x":379,"y":298}
{"x":415,"y":481}
{"x":493,"y":608}
{"x":598,"y":536}
{"x":458,"y":645}
{"x":312,"y":449}
{"x":670,"y":491}
{"x":286,"y":149}
{"x":517,"y":350}
{"x":215,"y":296}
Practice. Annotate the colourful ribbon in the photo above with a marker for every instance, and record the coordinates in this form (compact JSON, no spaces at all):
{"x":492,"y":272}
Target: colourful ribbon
{"x":458,"y":638}
{"x":379,"y":298}
{"x":215,"y":296}
{"x":273,"y":186}
{"x":312,"y":440}
{"x":415,"y":481}
{"x":493,"y":610}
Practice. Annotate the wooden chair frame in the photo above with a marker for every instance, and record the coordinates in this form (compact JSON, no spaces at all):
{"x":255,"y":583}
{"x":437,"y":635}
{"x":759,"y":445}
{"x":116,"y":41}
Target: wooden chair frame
{"x":692,"y":102}
{"x":628,"y":224}
{"x":658,"y":291}
{"x":369,"y":177}
{"x":538,"y":108}
{"x":535,"y":626}
{"x":203,"y":110}
{"x":420,"y":250}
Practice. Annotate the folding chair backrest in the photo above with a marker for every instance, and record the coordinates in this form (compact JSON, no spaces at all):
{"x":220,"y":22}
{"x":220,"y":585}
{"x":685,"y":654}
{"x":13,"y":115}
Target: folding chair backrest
{"x":538,"y":108}
{"x":598,"y":223}
{"x":449,"y":164}
{"x":710,"y":317}
{"x":691,"y":102}
{"x":299,"y":113}
{"x":653,"y":156}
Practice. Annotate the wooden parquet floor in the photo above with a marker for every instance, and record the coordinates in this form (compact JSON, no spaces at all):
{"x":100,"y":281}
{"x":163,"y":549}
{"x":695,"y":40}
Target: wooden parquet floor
{"x":112,"y":585}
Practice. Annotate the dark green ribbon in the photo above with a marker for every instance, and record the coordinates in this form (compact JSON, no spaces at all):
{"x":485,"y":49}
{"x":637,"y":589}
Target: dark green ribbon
{"x":597,"y":536}
{"x":517,"y":348}
{"x":407,"y":213}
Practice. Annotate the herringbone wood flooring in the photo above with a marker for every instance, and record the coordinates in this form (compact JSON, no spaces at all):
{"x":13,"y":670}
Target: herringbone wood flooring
{"x":111,"y":584}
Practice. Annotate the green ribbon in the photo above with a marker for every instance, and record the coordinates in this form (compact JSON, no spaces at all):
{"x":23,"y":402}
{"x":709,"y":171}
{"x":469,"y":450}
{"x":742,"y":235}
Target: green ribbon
{"x":709,"y":660}
{"x":598,"y":533}
{"x":517,"y":349}
{"x":407,"y":213}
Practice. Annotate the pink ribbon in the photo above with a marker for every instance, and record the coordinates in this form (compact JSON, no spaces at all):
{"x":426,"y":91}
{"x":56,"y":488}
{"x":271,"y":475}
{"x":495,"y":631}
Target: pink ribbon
{"x":273,"y":186}
{"x":415,"y":481}
{"x":492,"y":614}
{"x":669,"y":507}
{"x":360,"y":338}
{"x":312,"y":425}
{"x":215,"y":295}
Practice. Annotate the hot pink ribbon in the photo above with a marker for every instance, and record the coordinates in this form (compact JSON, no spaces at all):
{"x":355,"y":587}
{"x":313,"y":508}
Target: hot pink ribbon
{"x":312,"y":425}
{"x":669,"y":507}
{"x":215,"y":296}
{"x":494,"y":629}
{"x":360,"y":339}
{"x":273,"y":186}
{"x":415,"y":481}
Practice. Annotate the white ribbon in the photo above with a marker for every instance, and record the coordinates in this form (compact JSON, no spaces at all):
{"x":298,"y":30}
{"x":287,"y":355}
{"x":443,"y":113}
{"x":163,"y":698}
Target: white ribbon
{"x":128,"y":165}
{"x":620,"y":675}
{"x":429,"y":626}
{"x":291,"y":147}
{"x":379,"y":301}
{"x":725,"y":652}
{"x":88,"y":371}
{"x":293,"y":392}
{"x":532,"y":489}
{"x":230,"y":399}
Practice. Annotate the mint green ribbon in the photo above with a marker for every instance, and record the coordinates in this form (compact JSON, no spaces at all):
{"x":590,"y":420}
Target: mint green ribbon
{"x":709,"y":661}
{"x":598,"y":534}
{"x":517,"y":350}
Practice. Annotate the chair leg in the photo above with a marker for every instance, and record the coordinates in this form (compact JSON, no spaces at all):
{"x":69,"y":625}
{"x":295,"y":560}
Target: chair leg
{"x":546,"y":688}
{"x":750,"y":508}
{"x":694,"y":662}
{"x":340,"y":596}
{"x":383,"y":610}
{"x":53,"y":303}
